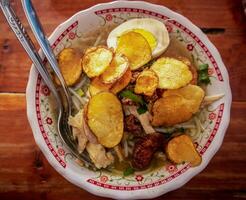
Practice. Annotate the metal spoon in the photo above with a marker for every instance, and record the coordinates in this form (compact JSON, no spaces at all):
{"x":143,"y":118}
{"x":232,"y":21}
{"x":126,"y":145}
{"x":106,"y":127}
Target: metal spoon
{"x":64,"y":109}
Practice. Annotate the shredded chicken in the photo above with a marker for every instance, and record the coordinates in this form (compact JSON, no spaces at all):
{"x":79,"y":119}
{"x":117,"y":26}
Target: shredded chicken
{"x":82,"y":140}
{"x":99,"y":156}
{"x":81,"y":131}
{"x":90,"y":136}
{"x":77,"y":120}
{"x":78,"y":131}
{"x":143,"y":118}
{"x":145,"y":121}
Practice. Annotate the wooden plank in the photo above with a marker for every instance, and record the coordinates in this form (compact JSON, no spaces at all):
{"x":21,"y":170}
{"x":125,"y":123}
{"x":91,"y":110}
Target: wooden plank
{"x":25,"y":173}
{"x":178,"y":194}
{"x":232,"y":48}
{"x":12,"y":101}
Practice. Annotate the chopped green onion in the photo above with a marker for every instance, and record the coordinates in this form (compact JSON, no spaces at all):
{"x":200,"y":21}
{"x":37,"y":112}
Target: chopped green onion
{"x":130,"y":95}
{"x":142,"y":109}
{"x":128,"y":171}
{"x":203,"y":77}
{"x":80,"y":92}
{"x":203,"y":67}
{"x":137,"y":99}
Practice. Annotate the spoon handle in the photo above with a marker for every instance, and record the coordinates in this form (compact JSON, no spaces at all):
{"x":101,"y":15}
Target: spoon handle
{"x":27,"y":44}
{"x":45,"y":46}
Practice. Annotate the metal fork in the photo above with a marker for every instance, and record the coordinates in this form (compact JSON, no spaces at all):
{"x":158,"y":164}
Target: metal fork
{"x":64,"y":107}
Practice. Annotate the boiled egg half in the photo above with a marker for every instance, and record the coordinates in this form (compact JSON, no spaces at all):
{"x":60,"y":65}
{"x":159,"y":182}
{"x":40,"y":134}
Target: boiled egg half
{"x":154,"y":31}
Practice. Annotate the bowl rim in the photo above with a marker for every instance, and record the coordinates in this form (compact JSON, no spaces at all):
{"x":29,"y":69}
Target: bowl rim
{"x":158,"y":190}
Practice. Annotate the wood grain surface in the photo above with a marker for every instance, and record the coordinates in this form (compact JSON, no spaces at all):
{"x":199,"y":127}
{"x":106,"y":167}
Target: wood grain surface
{"x":26,"y":174}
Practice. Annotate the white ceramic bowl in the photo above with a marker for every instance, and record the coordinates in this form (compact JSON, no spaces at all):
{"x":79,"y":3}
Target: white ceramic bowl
{"x":41,"y":115}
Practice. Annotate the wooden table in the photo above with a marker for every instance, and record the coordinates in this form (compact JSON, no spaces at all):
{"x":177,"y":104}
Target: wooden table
{"x":26,"y":174}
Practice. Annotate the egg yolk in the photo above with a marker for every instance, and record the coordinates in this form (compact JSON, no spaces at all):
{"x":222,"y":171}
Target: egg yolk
{"x":148,"y":36}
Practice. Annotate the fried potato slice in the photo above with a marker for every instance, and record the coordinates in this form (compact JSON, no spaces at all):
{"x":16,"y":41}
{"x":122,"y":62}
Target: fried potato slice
{"x":172,"y":73}
{"x":146,"y":82}
{"x":90,"y":49}
{"x":69,"y":61}
{"x":181,"y":149}
{"x":192,"y":93}
{"x":192,"y":68}
{"x":170,"y":110}
{"x":177,"y":106}
{"x":136,"y":48}
{"x":96,"y":61}
{"x":97,"y":86}
{"x":122,"y":82}
{"x":117,"y":68}
{"x":105,"y":118}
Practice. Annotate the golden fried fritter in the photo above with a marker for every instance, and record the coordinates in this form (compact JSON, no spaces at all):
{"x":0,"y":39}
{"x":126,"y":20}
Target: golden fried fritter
{"x":181,"y":149}
{"x":69,"y":61}
{"x":171,"y":110}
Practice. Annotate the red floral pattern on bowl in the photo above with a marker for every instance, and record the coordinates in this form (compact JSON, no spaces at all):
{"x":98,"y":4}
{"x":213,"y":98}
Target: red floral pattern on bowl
{"x":45,"y":90}
{"x":212,"y":116}
{"x":171,"y":168}
{"x":190,"y":47}
{"x":169,"y":28}
{"x":49,"y":120}
{"x":103,"y":179}
{"x":71,"y":35}
{"x":109,"y":17}
{"x":61,"y":151}
{"x":139,"y":178}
